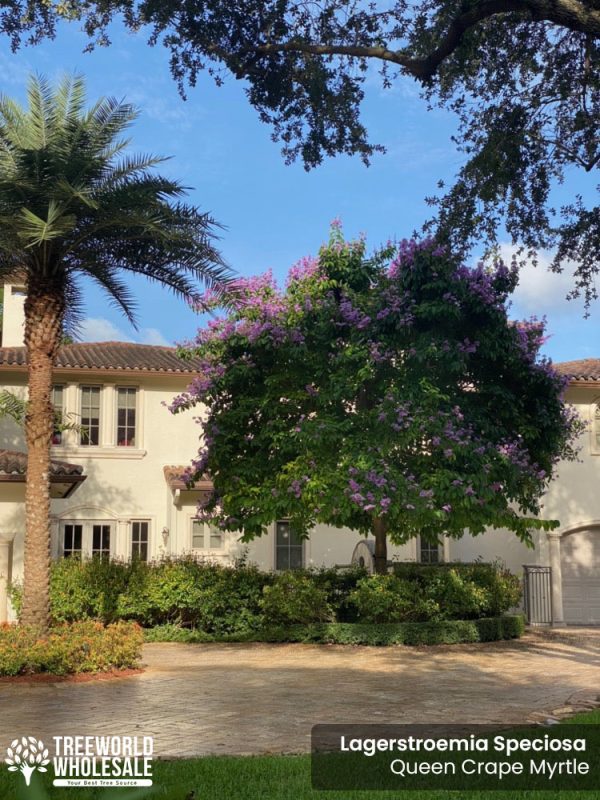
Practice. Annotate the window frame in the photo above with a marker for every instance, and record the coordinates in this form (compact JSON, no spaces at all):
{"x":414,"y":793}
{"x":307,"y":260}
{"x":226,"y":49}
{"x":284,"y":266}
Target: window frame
{"x":595,"y":427}
{"x":208,"y":532}
{"x":428,"y":547}
{"x":136,"y":416}
{"x":87,"y":536}
{"x":277,"y":546}
{"x":57,"y":435}
{"x":139,"y":543}
{"x":82,"y":387}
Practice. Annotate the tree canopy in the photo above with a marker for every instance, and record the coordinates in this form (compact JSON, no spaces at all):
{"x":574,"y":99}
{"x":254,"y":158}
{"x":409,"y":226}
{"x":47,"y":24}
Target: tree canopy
{"x":521,"y":75}
{"x":386,"y":393}
{"x":76,"y":205}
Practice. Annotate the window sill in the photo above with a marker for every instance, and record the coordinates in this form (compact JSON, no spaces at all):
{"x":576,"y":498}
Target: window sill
{"x":97,"y":452}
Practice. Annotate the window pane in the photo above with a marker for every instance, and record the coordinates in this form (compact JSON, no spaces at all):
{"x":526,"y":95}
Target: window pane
{"x":197,"y":535}
{"x":296,"y":560}
{"x":283,"y":534}
{"x":72,"y":537}
{"x":90,"y":415}
{"x":429,"y":552}
{"x":216,"y":538}
{"x":282,"y":558}
{"x":101,"y":541}
{"x":139,"y":540}
{"x":58,"y":405}
{"x":289,"y":550}
{"x":126,"y":407}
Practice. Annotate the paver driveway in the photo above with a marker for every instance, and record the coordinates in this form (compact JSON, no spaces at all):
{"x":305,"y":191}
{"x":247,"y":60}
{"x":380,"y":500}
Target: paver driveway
{"x":255,"y":698}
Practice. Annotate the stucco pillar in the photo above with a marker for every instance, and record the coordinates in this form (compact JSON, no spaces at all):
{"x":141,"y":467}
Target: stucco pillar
{"x":558,"y":618}
{"x":4,"y":576}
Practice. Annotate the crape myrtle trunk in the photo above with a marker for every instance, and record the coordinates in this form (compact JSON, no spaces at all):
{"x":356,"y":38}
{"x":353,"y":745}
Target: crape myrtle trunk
{"x":44,"y":310}
{"x":380,"y":534}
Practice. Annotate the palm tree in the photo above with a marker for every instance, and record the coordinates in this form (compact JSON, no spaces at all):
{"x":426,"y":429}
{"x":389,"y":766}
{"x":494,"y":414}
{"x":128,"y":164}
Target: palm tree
{"x":74,"y":204}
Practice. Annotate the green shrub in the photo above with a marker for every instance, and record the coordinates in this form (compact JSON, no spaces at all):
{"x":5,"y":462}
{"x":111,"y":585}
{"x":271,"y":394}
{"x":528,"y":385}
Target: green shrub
{"x":70,"y":648}
{"x":238,"y":600}
{"x":463,"y":591}
{"x":401,"y":633}
{"x":88,"y":589}
{"x":294,"y":598}
{"x":387,"y":598}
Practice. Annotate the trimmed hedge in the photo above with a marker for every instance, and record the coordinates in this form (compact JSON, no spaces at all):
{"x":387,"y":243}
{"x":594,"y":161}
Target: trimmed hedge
{"x":491,"y":629}
{"x":69,"y":649}
{"x":239,"y":600}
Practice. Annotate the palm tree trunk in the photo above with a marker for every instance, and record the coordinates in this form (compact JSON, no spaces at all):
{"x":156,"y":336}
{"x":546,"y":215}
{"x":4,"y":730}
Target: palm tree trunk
{"x":380,"y":534}
{"x":43,"y":323}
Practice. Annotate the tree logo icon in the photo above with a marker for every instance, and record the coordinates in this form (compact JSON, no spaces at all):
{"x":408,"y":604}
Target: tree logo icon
{"x":27,"y":755}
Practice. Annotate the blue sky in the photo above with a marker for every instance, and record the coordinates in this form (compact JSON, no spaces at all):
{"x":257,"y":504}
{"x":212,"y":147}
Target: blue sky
{"x":273,"y":214}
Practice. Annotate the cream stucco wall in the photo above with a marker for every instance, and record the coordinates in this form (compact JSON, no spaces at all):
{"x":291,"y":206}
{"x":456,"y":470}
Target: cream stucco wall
{"x":125,"y":484}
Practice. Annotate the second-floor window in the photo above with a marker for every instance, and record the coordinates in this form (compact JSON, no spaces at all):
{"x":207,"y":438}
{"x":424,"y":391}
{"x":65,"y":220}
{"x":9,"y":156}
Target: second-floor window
{"x":90,"y":415}
{"x":126,"y":416}
{"x":58,"y":403}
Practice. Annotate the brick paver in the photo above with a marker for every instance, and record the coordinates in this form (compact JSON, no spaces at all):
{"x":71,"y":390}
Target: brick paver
{"x":256,"y":698}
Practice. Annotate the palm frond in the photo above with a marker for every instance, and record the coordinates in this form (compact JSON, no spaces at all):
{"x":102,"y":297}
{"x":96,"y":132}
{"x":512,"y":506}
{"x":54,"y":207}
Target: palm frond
{"x":72,"y":203}
{"x":40,"y":99}
{"x":35,"y":230}
{"x":13,"y":407}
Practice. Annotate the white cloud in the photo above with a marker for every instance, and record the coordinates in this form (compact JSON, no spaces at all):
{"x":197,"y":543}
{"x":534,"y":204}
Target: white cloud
{"x":99,"y":329}
{"x":153,"y":336}
{"x":541,"y":291}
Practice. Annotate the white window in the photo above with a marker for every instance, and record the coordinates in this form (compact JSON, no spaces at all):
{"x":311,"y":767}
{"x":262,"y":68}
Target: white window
{"x":289,"y":547}
{"x":58,"y":403}
{"x":430,"y":552}
{"x":90,"y":415}
{"x":595,"y":427}
{"x":206,"y":537}
{"x":140,"y":539}
{"x":72,"y":534}
{"x":126,"y":416}
{"x":87,"y":538}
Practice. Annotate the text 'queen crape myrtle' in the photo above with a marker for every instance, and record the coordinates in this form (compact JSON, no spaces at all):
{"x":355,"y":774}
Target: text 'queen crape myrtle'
{"x":387,"y":394}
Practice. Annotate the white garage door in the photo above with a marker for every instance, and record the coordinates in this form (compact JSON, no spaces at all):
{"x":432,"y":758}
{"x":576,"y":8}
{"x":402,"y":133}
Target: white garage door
{"x":580,"y":563}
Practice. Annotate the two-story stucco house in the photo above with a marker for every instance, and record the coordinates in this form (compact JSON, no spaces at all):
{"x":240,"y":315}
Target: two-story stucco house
{"x":118,"y":491}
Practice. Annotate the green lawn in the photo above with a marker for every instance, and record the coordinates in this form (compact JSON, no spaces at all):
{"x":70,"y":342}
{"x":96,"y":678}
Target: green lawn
{"x":253,"y":778}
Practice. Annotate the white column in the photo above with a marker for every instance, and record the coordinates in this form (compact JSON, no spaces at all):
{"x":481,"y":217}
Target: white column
{"x":558,"y":618}
{"x":107,"y":415}
{"x":4,"y":575}
{"x":121,"y":546}
{"x":70,"y":438}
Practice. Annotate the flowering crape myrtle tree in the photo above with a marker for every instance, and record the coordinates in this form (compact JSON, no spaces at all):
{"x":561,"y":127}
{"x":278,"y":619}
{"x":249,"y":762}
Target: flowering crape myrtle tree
{"x":389,"y":394}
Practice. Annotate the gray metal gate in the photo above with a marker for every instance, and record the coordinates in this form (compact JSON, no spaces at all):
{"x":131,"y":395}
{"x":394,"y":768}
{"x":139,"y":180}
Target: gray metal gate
{"x":537,"y":594}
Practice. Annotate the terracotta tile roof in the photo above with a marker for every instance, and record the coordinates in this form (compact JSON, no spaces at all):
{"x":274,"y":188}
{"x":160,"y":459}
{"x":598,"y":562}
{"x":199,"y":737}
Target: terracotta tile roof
{"x":13,"y":462}
{"x":586,"y":369}
{"x":124,"y":356}
{"x":175,"y":478}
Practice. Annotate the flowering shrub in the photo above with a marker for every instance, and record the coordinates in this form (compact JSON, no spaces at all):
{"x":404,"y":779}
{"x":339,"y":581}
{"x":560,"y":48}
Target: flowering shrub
{"x":66,"y":649}
{"x":388,"y":394}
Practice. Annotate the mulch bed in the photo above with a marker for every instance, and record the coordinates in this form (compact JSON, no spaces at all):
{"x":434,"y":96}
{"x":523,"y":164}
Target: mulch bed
{"x":82,"y":677}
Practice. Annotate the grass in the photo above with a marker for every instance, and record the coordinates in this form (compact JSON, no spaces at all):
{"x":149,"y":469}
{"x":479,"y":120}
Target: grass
{"x":254,"y":778}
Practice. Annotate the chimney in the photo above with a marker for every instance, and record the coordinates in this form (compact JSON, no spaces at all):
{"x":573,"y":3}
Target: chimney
{"x":13,"y":315}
